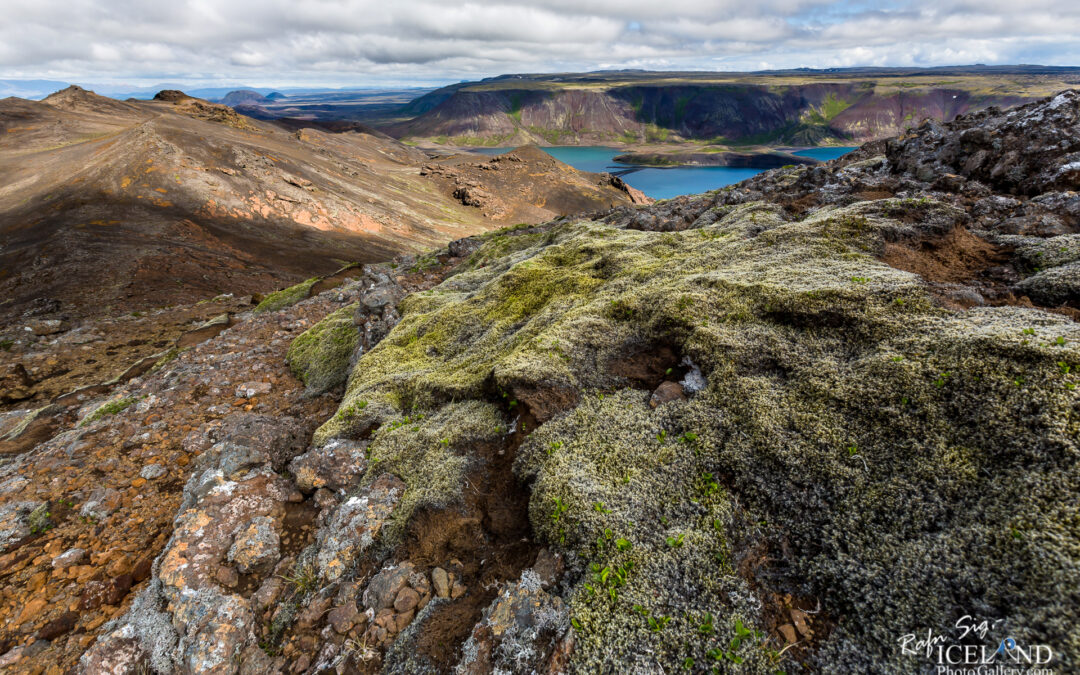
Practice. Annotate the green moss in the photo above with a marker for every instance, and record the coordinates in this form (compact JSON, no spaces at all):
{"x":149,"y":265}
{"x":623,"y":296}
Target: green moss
{"x":430,"y":452}
{"x":321,"y":356}
{"x":170,"y":355}
{"x":110,"y":408}
{"x":40,"y":519}
{"x":886,"y":489}
{"x":286,"y":297}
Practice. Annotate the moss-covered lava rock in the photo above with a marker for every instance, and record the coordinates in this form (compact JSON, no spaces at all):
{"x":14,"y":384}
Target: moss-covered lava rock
{"x":859,"y":455}
{"x":286,"y":297}
{"x":321,"y":355}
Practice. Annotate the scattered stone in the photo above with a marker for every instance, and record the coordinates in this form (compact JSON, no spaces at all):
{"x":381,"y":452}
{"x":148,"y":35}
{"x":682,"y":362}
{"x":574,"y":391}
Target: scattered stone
{"x":384,"y":587}
{"x":407,"y":599}
{"x":665,"y":393}
{"x":15,"y":521}
{"x":549,"y":567}
{"x":253,"y":389}
{"x":101,"y":503}
{"x":802,"y":622}
{"x":152,"y":471}
{"x":343,"y":618}
{"x":257,"y":545}
{"x":111,"y":592}
{"x":354,"y":525}
{"x":72,"y":556}
{"x":460,"y":248}
{"x":694,"y":381}
{"x":227,"y":576}
{"x":519,"y":631}
{"x":61,"y":625}
{"x":46,"y":326}
{"x":338,"y":465}
{"x":788,"y":631}
{"x":441,"y":581}
{"x":311,"y":614}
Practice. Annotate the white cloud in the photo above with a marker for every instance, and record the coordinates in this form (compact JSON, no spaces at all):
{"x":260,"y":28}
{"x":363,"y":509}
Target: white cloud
{"x":356,"y":41}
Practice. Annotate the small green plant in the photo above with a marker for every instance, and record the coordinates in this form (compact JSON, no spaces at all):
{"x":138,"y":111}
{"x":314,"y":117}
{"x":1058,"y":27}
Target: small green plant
{"x":1028,"y":331}
{"x":742,"y":633}
{"x":662,"y":436}
{"x":575,"y":623}
{"x":688,"y":663}
{"x":657,"y":623}
{"x":675,"y":542}
{"x":623,"y":544}
{"x":304,"y":579}
{"x":609,"y":578}
{"x":269,"y":648}
{"x":1060,"y":341}
{"x":706,"y":625}
{"x":860,"y":280}
{"x":940,"y":381}
{"x":852,"y":450}
{"x":553,"y":446}
{"x":559,"y":510}
{"x":6,"y":344}
{"x":600,"y":508}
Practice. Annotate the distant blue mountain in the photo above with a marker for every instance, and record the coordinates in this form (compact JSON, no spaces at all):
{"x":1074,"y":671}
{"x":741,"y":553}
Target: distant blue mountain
{"x":31,"y":89}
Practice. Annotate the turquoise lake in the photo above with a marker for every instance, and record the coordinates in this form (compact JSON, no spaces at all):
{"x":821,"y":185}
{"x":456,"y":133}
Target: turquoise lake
{"x":661,"y":183}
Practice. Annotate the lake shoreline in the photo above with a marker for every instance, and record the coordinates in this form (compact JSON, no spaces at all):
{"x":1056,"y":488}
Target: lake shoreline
{"x":661,"y":182}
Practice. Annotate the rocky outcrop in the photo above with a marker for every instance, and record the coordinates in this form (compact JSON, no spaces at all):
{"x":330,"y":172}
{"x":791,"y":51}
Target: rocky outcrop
{"x":230,"y":516}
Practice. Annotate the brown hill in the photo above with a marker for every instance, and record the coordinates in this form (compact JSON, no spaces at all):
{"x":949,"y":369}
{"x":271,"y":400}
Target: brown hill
{"x":136,"y":204}
{"x":529,"y":185}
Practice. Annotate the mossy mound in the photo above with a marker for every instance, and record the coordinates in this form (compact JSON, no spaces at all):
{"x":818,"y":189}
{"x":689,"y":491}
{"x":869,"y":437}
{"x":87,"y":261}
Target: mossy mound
{"x":286,"y":297}
{"x":322,"y":355}
{"x":900,"y":464}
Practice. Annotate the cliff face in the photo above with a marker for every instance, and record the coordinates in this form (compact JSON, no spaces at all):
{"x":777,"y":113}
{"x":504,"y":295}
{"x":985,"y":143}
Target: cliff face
{"x":806,"y":114}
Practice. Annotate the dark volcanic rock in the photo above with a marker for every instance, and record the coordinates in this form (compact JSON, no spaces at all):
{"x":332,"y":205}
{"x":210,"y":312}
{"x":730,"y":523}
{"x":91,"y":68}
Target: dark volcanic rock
{"x":1029,"y":150}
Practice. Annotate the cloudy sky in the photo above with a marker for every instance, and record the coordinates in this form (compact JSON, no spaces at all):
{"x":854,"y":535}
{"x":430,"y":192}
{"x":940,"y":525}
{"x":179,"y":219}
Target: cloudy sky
{"x":380,"y":42}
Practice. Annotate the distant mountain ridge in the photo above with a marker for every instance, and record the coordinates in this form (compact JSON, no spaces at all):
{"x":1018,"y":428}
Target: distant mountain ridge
{"x":805,"y":107}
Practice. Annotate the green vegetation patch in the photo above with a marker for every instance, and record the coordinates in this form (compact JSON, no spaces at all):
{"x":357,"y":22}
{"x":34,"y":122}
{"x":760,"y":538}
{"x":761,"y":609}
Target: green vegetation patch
{"x":110,"y":408}
{"x":286,"y":297}
{"x":321,"y":356}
